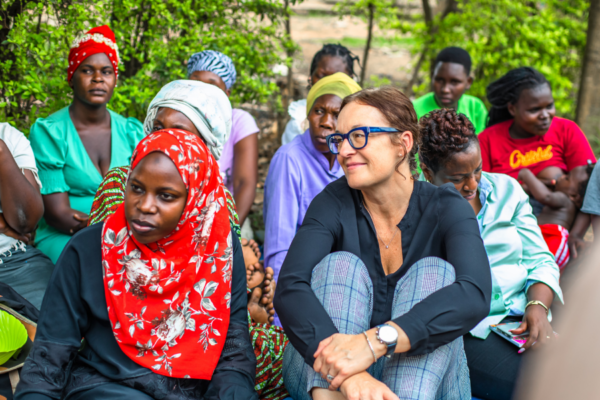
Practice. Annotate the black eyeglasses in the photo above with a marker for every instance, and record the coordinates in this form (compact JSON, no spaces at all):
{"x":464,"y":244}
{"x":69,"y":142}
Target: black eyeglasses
{"x":357,"y":137}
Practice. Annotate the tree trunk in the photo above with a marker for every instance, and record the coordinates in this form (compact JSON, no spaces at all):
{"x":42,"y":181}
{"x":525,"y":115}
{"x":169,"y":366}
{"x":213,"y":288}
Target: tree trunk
{"x":588,"y":104}
{"x":363,"y":71}
{"x":444,"y":7}
{"x":427,"y":13}
{"x":288,"y":92}
{"x":290,"y":54}
{"x":428,"y":17}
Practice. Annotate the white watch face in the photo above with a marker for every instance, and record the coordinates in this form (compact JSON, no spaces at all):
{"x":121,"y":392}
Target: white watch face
{"x":388,"y":334}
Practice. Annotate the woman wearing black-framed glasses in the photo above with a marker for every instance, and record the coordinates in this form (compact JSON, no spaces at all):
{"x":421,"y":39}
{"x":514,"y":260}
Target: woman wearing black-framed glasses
{"x":383,"y":265}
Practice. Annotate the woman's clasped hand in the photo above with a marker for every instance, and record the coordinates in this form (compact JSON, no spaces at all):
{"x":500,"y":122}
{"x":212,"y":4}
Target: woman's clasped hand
{"x":342,"y":356}
{"x":363,"y":386}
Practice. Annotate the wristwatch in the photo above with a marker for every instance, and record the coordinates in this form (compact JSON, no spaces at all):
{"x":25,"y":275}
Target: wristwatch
{"x":388,"y":335}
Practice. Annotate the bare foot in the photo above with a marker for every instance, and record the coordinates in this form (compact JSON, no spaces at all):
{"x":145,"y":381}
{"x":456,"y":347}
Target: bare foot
{"x":255,"y":275}
{"x":268,"y":287}
{"x":271,"y":312}
{"x":268,"y":293}
{"x":251,"y":252}
{"x":258,"y":313}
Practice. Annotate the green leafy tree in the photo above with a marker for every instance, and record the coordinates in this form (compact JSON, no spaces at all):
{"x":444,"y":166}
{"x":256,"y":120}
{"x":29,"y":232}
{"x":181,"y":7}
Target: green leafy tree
{"x":504,"y":34}
{"x":155,"y":39}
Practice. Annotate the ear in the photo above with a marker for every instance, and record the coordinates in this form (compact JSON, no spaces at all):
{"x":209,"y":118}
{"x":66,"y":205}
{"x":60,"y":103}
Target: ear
{"x":469,"y":83}
{"x":406,"y":138}
{"x":427,"y":172}
{"x":228,"y":92}
{"x":511,"y":109}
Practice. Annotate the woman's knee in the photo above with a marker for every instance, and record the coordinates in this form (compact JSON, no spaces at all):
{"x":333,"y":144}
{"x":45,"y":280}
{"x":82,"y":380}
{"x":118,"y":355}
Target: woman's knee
{"x":432,"y":270}
{"x":342,"y":284}
{"x":426,"y":276}
{"x":339,"y":267}
{"x":339,"y":262}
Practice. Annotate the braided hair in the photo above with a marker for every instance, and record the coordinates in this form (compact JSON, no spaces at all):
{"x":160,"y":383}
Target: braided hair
{"x":335,"y":50}
{"x":443,"y":134}
{"x":508,"y":90}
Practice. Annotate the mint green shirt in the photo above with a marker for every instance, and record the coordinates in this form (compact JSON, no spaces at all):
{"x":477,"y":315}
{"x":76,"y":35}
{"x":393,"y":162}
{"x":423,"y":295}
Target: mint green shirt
{"x":471,"y":106}
{"x":65,"y":166}
{"x":518,"y":253}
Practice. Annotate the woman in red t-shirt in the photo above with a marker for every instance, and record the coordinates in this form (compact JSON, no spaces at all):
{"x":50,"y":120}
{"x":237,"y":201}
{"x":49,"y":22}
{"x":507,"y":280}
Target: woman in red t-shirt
{"x":522,"y":131}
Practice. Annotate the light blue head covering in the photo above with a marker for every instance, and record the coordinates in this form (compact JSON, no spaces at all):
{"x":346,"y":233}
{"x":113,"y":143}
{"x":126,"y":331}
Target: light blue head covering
{"x":215,"y":62}
{"x":207,"y":106}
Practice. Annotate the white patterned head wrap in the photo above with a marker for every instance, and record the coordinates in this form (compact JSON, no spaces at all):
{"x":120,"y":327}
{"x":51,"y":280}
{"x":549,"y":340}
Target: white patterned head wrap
{"x":207,"y":106}
{"x":215,"y":62}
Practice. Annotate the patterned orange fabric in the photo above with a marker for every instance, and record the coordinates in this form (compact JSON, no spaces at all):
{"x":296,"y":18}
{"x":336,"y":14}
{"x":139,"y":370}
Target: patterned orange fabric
{"x":168,"y":302}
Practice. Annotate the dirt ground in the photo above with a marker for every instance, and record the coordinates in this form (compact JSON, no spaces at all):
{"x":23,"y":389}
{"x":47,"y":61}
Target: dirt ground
{"x":315,"y":24}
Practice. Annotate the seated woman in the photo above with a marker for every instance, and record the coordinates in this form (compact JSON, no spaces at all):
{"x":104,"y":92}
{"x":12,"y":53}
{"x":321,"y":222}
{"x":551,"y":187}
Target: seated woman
{"x":379,"y":268}
{"x":330,"y":59}
{"x":523,"y":132}
{"x":301,"y":169}
{"x":239,"y":161}
{"x":76,"y":146}
{"x":157,"y":291}
{"x":524,"y":273}
{"x":189,"y":105}
{"x":23,"y":267}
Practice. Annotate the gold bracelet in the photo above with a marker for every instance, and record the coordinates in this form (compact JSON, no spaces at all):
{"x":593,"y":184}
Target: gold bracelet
{"x":539,"y":303}
{"x":370,"y":346}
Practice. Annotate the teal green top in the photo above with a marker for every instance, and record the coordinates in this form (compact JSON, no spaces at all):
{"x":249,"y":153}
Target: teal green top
{"x":518,"y":253}
{"x":471,"y":106}
{"x":65,"y":166}
{"x":516,"y":249}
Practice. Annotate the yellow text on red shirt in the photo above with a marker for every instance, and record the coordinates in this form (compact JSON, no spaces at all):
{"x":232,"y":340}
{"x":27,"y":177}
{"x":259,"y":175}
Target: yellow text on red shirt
{"x":518,"y":159}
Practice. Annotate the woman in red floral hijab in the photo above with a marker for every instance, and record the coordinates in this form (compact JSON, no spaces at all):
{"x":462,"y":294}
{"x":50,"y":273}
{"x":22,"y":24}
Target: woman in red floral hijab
{"x":181,"y":281}
{"x":157,"y":291}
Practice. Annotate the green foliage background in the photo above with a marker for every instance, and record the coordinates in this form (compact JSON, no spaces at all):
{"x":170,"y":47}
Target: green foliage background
{"x":155,"y":39}
{"x":500,"y":35}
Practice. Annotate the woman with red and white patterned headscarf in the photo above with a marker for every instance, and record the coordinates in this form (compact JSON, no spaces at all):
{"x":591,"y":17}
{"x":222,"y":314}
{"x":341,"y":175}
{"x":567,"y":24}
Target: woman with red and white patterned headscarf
{"x":157,"y":291}
{"x":76,"y":146}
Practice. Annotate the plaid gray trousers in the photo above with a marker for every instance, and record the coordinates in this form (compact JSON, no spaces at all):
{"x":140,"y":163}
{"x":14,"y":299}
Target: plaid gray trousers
{"x":342,"y":284}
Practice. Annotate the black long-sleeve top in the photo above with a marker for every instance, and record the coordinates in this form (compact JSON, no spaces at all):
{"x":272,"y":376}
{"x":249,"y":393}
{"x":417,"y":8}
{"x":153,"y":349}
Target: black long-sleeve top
{"x":438,"y":222}
{"x":74,"y":307}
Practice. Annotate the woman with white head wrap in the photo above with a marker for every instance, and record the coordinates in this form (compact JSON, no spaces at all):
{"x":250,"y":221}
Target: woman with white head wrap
{"x":207,"y":107}
{"x":239,"y":161}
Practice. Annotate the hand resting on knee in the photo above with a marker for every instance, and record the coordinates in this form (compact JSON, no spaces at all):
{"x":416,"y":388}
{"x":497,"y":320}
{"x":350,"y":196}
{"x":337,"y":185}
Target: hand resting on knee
{"x":361,"y":386}
{"x":342,"y":356}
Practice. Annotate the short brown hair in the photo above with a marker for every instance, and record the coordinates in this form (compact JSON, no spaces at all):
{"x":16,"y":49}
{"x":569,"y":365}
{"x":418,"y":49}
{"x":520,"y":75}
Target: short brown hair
{"x":397,"y":110}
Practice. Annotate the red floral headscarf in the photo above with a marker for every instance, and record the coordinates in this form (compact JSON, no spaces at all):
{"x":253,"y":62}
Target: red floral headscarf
{"x":168,"y":302}
{"x":96,"y":40}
